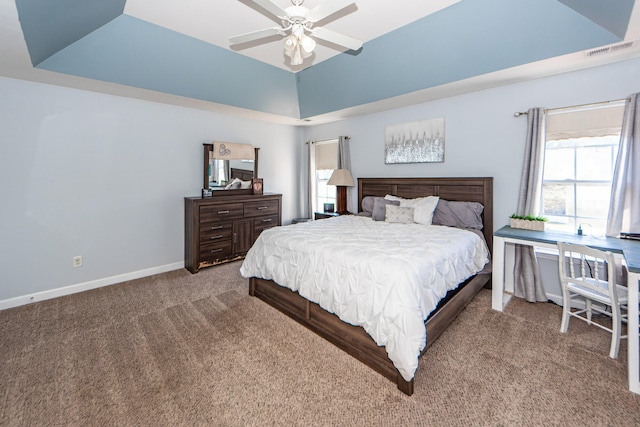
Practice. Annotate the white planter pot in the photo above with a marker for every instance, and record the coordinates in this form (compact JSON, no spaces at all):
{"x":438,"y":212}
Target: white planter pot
{"x":526,"y":224}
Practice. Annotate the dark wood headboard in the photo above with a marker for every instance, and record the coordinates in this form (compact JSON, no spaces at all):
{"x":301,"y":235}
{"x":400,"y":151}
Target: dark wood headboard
{"x":242,"y":174}
{"x":457,"y":189}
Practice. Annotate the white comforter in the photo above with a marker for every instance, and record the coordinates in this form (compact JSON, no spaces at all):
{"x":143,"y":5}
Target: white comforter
{"x":385,"y":277}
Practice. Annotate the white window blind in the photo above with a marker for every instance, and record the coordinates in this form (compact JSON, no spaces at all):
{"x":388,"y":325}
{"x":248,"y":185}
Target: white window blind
{"x":584,"y":122}
{"x":327,"y":155}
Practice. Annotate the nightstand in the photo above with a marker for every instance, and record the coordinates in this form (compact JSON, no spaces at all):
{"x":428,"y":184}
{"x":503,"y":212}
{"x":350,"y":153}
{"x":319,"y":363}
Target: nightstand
{"x":323,"y":215}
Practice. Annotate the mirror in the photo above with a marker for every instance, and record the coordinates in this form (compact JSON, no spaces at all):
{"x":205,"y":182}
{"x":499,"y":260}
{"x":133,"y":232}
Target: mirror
{"x":219,"y":173}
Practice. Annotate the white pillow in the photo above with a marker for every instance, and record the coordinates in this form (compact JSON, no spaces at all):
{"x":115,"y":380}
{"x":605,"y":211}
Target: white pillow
{"x":423,"y":208}
{"x":234,"y":184}
{"x":392,"y":197}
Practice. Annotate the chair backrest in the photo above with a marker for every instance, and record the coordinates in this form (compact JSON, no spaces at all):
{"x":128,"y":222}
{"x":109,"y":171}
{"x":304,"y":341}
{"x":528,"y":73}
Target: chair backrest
{"x":582,"y":266}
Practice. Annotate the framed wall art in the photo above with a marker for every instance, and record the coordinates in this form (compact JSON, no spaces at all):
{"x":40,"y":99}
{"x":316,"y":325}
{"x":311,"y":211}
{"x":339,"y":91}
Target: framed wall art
{"x":256,"y":185}
{"x":415,"y":142}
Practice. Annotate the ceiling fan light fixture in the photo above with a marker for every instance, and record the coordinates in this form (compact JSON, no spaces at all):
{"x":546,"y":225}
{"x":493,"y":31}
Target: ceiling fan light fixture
{"x":296,"y":56}
{"x":290,"y":43}
{"x":292,"y":49}
{"x":307,"y":43}
{"x":298,"y":48}
{"x":298,"y":22}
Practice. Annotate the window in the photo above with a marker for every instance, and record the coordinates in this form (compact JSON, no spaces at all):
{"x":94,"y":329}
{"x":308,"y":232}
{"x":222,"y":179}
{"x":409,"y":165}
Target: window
{"x":325,"y":193}
{"x":580,"y":154}
{"x":326,"y":162}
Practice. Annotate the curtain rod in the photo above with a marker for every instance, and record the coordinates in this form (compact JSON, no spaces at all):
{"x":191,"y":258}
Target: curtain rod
{"x":595,"y":104}
{"x":325,"y":140}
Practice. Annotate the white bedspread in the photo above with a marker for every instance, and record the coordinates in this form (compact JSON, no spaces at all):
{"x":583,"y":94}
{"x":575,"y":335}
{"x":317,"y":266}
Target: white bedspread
{"x":382,"y":276}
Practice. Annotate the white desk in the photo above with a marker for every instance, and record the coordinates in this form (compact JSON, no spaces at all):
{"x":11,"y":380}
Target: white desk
{"x":502,"y":283}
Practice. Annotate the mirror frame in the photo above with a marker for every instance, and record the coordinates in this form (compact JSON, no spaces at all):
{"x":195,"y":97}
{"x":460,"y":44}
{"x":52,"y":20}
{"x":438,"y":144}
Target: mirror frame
{"x":208,"y":148}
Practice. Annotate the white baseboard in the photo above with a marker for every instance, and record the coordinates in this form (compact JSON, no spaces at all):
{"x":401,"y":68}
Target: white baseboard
{"x":81,"y":287}
{"x":557,"y":299}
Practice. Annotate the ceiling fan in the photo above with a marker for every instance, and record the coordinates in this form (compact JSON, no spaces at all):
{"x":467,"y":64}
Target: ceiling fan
{"x":297,"y":26}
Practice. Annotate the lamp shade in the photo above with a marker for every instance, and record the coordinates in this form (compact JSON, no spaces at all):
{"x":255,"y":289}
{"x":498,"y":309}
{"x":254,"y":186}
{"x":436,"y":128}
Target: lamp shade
{"x":341,"y":177}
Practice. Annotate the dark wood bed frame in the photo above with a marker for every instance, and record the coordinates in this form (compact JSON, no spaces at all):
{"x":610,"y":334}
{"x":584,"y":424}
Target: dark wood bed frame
{"x":353,"y":339}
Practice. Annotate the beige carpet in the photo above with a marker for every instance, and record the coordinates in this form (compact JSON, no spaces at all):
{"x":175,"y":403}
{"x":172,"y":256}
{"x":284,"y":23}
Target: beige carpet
{"x":180,"y":349}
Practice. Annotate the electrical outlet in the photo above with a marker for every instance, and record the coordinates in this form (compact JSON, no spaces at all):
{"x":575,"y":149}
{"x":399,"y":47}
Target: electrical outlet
{"x":77,"y":261}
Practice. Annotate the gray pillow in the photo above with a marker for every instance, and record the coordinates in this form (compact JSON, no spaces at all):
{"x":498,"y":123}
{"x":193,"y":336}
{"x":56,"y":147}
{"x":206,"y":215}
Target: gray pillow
{"x":458,"y":214}
{"x":380,"y":208}
{"x":367,"y":204}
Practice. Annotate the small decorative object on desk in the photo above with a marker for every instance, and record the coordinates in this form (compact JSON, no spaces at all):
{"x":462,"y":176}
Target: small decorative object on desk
{"x":206,"y":192}
{"x":528,"y":222}
{"x":256,"y":185}
{"x":328,"y":207}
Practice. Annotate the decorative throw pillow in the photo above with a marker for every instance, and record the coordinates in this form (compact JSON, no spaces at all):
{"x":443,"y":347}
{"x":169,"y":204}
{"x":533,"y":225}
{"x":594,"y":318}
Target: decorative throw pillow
{"x":399,"y":214}
{"x":379,"y":208}
{"x":423,"y":208}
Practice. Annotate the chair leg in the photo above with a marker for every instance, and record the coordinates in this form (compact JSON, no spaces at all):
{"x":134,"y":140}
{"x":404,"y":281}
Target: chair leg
{"x":566,"y":306}
{"x":616,"y":326}
{"x":587,"y":303}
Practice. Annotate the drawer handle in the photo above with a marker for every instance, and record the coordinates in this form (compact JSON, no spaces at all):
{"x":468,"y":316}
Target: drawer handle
{"x":213,"y":251}
{"x":266,"y":220}
{"x":218,"y":227}
{"x":216,"y":237}
{"x":222,"y":212}
{"x":260,"y":208}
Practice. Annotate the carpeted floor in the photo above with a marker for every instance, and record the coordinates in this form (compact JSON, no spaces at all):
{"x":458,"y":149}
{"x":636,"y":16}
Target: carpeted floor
{"x":181,"y":350}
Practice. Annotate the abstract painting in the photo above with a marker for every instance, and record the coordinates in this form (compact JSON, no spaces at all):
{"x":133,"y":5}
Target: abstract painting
{"x":415,"y":142}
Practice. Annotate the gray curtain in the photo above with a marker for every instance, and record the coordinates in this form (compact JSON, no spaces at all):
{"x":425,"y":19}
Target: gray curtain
{"x":624,"y":208}
{"x":528,"y":284}
{"x":311,"y":188}
{"x":344,"y":162}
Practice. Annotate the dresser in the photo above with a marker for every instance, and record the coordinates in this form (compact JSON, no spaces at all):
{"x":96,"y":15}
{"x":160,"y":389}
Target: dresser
{"x":222,"y":228}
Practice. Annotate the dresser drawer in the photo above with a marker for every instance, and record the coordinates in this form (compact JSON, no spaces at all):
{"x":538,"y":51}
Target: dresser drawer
{"x":264,"y":222}
{"x":214,"y":231}
{"x":261,"y":208}
{"x":221,"y":212}
{"x":215,"y":250}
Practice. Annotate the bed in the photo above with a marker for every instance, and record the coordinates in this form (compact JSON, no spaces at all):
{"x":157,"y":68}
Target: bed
{"x":351,"y":334}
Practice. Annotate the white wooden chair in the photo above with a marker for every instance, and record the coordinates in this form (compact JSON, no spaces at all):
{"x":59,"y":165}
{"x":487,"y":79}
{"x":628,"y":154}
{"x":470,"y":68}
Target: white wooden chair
{"x":600,"y":294}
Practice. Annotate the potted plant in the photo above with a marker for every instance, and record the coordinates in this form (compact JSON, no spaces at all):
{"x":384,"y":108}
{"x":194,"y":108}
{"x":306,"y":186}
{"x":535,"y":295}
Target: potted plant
{"x":528,"y":222}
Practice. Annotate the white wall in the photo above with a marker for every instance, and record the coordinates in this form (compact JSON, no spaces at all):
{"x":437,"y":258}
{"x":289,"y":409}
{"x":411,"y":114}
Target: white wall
{"x":482,"y":136}
{"x":105,"y":177}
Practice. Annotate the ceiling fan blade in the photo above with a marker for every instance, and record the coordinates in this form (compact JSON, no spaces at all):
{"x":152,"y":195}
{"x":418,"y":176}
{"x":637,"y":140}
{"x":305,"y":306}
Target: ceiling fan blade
{"x":271,"y":7}
{"x":255,"y":35}
{"x":327,"y":8}
{"x":336,"y":38}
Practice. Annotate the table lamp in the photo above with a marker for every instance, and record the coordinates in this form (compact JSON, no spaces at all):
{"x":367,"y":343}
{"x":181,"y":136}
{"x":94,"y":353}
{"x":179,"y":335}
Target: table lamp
{"x":342,"y":179}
